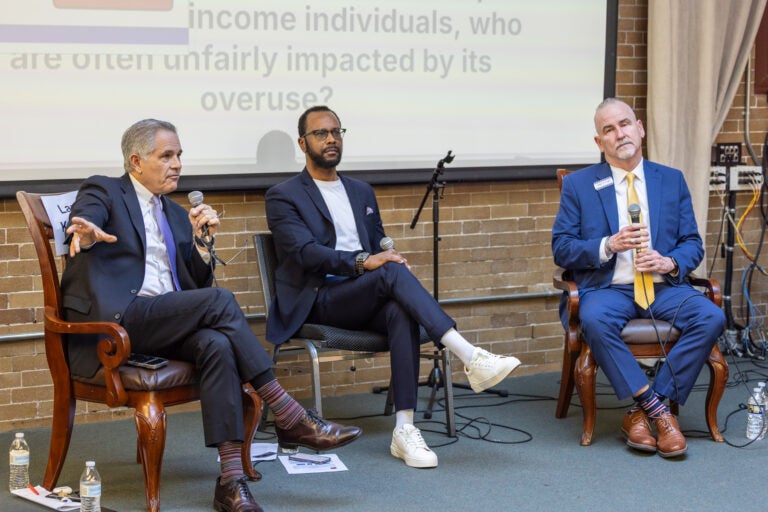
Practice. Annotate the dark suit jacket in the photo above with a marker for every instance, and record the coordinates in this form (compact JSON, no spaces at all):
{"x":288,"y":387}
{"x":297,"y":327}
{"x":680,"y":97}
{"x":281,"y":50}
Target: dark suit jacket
{"x":305,"y":240}
{"x":588,"y":212}
{"x":99,"y":283}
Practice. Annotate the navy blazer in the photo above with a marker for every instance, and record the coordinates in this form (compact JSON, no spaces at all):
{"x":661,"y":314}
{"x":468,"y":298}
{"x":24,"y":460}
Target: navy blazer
{"x":588,"y":213}
{"x":305,"y":241}
{"x":99,"y":283}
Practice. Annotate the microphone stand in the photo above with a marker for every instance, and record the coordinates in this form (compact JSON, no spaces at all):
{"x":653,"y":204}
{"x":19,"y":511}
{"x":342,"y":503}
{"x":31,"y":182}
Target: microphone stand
{"x":436,"y":187}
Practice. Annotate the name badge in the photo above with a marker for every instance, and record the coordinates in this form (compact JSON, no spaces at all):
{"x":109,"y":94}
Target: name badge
{"x":605,"y":182}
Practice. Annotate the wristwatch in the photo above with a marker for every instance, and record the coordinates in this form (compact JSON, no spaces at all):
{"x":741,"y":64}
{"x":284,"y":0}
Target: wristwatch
{"x":360,"y":261}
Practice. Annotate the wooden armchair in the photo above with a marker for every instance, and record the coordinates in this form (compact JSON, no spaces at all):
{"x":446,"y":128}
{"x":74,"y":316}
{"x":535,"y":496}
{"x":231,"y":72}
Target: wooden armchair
{"x":580,"y":368}
{"x":149,"y":392}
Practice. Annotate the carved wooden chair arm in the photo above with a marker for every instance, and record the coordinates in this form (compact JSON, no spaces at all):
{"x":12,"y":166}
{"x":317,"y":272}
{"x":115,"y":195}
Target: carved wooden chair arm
{"x":711,"y":288}
{"x":561,"y":279}
{"x":113,"y":350}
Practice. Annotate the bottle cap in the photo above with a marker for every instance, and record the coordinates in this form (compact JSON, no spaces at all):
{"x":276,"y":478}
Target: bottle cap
{"x":90,"y":463}
{"x":19,"y":434}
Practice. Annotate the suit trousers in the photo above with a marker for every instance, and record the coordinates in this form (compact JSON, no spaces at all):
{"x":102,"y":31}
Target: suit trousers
{"x":392,"y":301}
{"x":206,"y":327}
{"x":604,"y":313}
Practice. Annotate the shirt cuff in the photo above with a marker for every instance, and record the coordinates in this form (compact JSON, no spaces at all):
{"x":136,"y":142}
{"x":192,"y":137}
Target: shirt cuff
{"x":605,"y":250}
{"x":203,"y":254}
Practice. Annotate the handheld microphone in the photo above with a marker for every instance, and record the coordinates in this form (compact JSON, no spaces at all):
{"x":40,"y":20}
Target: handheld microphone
{"x":196,"y":199}
{"x":634,"y":213}
{"x":387,"y":243}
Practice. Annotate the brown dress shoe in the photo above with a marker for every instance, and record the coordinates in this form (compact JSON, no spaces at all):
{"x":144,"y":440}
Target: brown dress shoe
{"x":234,"y":497}
{"x":637,"y":430}
{"x":671,"y":442}
{"x":315,"y":433}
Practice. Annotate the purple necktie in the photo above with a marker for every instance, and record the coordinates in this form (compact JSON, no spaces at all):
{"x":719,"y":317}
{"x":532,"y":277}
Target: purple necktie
{"x":165,"y":229}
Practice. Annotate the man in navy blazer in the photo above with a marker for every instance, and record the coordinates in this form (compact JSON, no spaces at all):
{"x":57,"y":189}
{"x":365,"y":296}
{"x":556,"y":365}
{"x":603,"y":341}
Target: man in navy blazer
{"x":139,"y":259}
{"x":327,"y":230}
{"x":595,"y":238}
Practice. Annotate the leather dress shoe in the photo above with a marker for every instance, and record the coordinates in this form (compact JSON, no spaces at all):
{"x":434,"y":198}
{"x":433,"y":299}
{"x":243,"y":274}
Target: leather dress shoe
{"x":637,"y":430}
{"x":234,"y":497}
{"x":315,"y":433}
{"x":671,"y":442}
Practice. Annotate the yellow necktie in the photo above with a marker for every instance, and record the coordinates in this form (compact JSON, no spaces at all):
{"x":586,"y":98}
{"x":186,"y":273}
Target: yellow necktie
{"x":644,"y":294}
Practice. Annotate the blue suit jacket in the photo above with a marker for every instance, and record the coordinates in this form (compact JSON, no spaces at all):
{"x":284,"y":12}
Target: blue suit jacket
{"x":99,"y":283}
{"x":305,"y":240}
{"x":587,"y":214}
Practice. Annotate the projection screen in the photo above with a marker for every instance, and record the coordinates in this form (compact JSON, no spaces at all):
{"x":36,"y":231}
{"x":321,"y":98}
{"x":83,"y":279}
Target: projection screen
{"x":501,"y":83}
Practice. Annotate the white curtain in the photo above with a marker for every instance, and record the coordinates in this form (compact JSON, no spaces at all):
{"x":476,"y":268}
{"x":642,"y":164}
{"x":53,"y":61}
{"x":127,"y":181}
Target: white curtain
{"x":697,"y":53}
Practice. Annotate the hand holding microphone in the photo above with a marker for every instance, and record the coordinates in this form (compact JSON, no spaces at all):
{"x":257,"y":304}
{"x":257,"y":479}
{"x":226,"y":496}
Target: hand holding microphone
{"x":631,"y":237}
{"x":207,"y":220}
{"x":637,"y":236}
{"x":386,"y":244}
{"x":208,"y":214}
{"x":388,"y":253}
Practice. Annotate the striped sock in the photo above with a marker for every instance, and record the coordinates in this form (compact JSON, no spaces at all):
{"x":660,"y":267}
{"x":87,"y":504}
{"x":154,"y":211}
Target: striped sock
{"x":650,"y":402}
{"x":287,"y":411}
{"x":231,"y":461}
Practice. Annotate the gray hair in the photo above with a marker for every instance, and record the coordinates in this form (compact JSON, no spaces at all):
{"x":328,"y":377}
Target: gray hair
{"x":139,"y":139}
{"x":607,"y":102}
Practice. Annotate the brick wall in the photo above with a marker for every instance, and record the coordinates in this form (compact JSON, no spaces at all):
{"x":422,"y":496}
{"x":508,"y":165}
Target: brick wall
{"x":495,"y":241}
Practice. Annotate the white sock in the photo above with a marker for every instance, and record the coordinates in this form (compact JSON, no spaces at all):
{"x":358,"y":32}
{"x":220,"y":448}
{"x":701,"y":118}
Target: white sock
{"x":403,"y":417}
{"x":457,"y":344}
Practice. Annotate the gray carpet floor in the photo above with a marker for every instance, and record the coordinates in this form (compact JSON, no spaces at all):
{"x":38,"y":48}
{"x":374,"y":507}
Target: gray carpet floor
{"x":511,"y":454}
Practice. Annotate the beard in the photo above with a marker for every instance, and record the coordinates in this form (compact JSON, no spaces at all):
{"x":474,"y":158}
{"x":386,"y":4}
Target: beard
{"x":321,"y":160}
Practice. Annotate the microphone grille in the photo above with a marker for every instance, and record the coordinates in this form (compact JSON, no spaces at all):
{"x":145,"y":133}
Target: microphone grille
{"x":387,"y":243}
{"x":195,"y":198}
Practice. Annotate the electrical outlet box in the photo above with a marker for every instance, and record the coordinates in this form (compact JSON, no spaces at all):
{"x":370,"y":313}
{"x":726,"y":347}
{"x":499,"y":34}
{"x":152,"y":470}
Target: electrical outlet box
{"x":742,"y":177}
{"x":727,"y":153}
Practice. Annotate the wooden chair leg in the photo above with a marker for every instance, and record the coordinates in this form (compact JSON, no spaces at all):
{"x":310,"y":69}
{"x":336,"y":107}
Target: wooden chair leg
{"x":585,"y":375}
{"x":566,"y":383}
{"x":151,"y":422}
{"x":718,"y":378}
{"x":61,"y":433}
{"x":252,"y":407}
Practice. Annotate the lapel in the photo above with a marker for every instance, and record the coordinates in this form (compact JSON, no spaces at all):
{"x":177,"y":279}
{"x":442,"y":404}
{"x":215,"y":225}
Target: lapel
{"x":607,"y":197}
{"x":134,"y":210}
{"x":653,"y":189}
{"x":317,"y":199}
{"x":358,"y":210}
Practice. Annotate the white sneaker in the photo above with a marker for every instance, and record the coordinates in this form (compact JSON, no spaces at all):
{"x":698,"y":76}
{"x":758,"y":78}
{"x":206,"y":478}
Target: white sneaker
{"x":486,"y":369}
{"x":407,"y":444}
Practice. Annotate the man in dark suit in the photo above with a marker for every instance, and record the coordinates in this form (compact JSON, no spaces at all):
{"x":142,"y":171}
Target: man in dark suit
{"x":594,"y":236}
{"x":139,"y":259}
{"x":327,"y":232}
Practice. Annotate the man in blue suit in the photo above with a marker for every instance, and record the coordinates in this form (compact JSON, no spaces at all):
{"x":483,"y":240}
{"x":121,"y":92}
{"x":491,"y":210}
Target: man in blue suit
{"x":327,"y":232}
{"x":595,"y":238}
{"x":139,"y":259}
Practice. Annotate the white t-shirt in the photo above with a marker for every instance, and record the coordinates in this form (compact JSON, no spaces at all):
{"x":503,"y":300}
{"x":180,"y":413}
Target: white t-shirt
{"x":337,"y":201}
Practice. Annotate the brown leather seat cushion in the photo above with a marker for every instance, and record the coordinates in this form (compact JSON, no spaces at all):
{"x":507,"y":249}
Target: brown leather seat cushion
{"x":642,"y":332}
{"x":175,"y":373}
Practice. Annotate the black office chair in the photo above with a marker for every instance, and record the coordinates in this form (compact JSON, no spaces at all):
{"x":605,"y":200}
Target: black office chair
{"x":336,"y":344}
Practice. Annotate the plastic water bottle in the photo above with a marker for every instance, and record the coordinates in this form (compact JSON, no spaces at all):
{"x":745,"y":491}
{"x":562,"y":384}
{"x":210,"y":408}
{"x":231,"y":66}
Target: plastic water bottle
{"x":19,"y":463}
{"x":755,"y":416}
{"x":90,"y":488}
{"x":764,"y":403}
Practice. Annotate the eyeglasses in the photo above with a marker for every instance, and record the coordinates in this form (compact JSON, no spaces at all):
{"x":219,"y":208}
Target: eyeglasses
{"x":321,"y":135}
